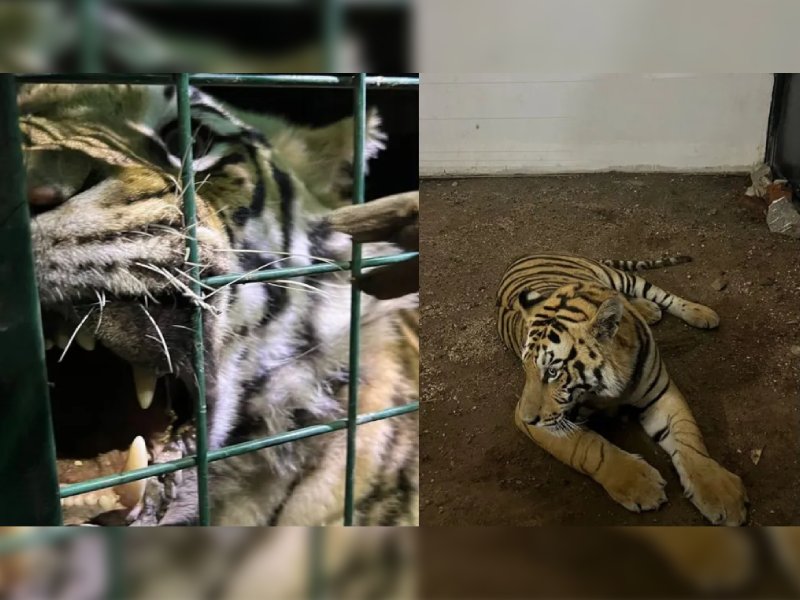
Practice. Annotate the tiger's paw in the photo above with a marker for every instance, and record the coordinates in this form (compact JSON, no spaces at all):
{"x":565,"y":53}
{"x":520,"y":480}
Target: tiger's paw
{"x":649,"y":310}
{"x":699,"y":316}
{"x":713,"y":560}
{"x":636,"y":485}
{"x":718,"y":494}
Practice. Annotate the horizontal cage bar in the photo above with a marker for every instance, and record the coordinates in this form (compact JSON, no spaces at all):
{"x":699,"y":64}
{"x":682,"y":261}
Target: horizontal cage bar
{"x":245,"y":79}
{"x":234,"y":450}
{"x":238,"y":278}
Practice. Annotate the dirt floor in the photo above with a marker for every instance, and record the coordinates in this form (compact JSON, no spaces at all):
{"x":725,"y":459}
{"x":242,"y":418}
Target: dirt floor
{"x":741,"y":380}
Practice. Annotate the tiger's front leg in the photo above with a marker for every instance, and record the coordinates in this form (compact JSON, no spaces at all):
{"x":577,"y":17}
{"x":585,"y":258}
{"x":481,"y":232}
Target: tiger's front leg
{"x":716,"y":492}
{"x":627,"y":478}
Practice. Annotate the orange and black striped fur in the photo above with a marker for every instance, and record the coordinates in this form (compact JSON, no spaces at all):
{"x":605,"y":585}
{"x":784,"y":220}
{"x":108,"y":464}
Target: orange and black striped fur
{"x":581,"y":330}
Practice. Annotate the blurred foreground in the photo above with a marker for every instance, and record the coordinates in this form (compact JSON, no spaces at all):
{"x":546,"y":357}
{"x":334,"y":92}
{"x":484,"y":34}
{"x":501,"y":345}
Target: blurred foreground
{"x":287,"y":563}
{"x":623,"y":562}
{"x":280,"y":563}
{"x":267,"y":36}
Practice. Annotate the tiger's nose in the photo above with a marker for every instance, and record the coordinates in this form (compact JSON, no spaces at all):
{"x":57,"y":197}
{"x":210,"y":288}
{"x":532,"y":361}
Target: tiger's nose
{"x":44,"y":197}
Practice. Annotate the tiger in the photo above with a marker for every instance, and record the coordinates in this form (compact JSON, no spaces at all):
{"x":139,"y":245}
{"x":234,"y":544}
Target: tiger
{"x":581,"y":330}
{"x":109,"y":247}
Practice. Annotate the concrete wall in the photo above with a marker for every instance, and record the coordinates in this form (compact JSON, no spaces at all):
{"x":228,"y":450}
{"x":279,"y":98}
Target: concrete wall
{"x":481,"y":124}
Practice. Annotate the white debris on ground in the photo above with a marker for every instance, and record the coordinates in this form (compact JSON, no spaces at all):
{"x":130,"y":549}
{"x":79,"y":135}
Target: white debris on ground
{"x":761,"y":177}
{"x":783,"y":212}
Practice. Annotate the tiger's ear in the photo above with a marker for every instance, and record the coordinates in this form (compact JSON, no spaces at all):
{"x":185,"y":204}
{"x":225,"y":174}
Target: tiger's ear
{"x":323,"y":156}
{"x":605,"y":323}
{"x":526,"y":300}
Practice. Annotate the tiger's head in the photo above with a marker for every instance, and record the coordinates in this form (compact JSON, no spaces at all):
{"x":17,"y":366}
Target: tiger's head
{"x":580,"y":342}
{"x":109,"y":245}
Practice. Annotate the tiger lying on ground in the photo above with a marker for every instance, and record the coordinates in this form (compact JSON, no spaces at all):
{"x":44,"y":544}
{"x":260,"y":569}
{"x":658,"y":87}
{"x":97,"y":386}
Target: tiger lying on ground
{"x":581,"y":331}
{"x":109,"y":248}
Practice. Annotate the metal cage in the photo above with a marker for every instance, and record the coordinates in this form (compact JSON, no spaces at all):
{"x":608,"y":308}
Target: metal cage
{"x":27,"y":452}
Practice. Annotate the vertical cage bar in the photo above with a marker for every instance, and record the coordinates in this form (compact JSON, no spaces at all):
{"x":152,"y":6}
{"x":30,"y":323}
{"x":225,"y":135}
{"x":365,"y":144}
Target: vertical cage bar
{"x":29,"y":489}
{"x":115,"y":546}
{"x":316,"y":568}
{"x":190,"y":222}
{"x":89,"y":19}
{"x":331,"y":33}
{"x":359,"y":132}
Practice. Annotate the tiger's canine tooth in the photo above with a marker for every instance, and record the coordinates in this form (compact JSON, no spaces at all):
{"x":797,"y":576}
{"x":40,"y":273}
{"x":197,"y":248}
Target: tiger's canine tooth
{"x":145,"y":381}
{"x":62,"y":339}
{"x":131,"y":493}
{"x":85,"y":340}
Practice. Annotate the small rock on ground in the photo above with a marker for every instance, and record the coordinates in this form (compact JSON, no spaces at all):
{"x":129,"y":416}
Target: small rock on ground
{"x":783,"y":217}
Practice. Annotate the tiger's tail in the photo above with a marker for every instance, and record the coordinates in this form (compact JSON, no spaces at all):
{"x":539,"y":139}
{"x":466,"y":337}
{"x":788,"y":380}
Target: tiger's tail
{"x":643,"y":265}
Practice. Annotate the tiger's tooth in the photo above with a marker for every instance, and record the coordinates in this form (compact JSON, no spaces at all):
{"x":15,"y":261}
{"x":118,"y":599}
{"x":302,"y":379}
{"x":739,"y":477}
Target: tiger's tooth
{"x":145,"y":381}
{"x":107,"y":502}
{"x":131,"y":493}
{"x":85,"y":340}
{"x":48,"y":343}
{"x":62,"y":339}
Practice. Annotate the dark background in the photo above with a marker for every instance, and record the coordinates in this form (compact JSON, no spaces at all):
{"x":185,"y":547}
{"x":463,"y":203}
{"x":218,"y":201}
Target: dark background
{"x":394,"y":170}
{"x":261,"y":28}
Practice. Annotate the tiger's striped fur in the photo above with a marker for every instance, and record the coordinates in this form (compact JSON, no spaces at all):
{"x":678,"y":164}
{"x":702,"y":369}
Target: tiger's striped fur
{"x":643,"y":265}
{"x":581,"y":330}
{"x":105,"y":159}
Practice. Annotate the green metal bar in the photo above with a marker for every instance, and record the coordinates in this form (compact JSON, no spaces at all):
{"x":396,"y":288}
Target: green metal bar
{"x":310,"y":431}
{"x":331,"y":14}
{"x":220,"y":79}
{"x":360,"y":117}
{"x":234,"y":450}
{"x":89,"y":36}
{"x":29,"y":492}
{"x":316,"y":567}
{"x":115,"y":556}
{"x":190,"y":222}
{"x":377,"y":261}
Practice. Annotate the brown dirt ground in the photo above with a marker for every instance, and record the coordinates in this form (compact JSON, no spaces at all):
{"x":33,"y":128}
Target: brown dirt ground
{"x":741,"y":380}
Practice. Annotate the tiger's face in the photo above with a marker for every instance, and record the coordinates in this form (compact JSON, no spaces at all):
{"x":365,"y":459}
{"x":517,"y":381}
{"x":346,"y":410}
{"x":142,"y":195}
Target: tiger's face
{"x":578,"y":346}
{"x":109,"y":245}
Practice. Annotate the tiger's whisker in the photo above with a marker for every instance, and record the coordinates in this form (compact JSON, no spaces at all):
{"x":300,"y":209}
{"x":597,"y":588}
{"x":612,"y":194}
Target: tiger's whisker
{"x":160,"y":336}
{"x":74,"y":333}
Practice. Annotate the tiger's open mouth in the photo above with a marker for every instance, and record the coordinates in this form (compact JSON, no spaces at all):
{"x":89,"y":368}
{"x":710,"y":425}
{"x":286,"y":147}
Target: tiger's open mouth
{"x":119,"y":404}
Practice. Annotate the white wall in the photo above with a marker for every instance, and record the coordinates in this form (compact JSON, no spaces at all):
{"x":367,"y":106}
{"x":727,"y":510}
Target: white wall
{"x":475,"y":124}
